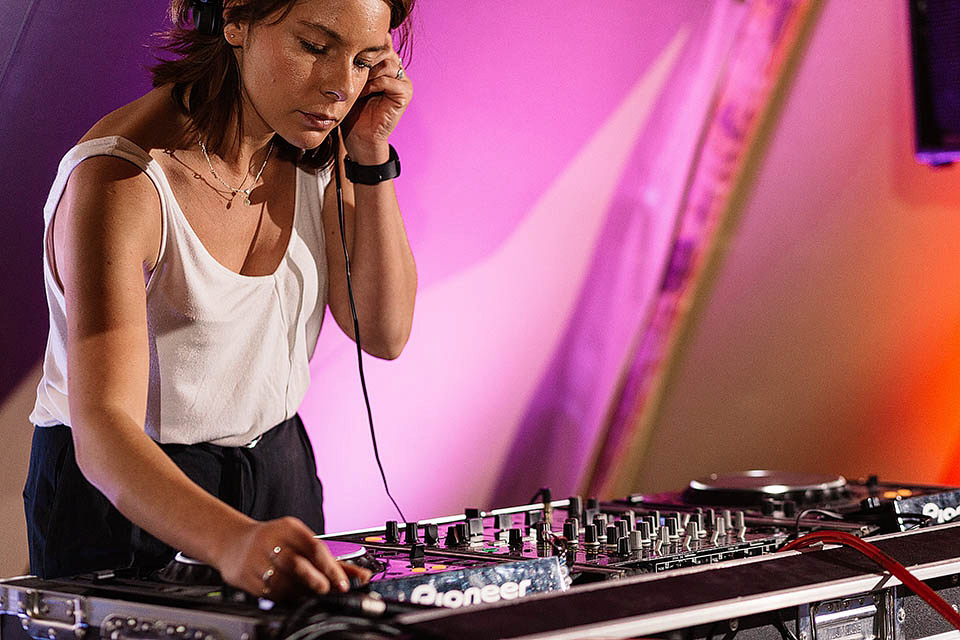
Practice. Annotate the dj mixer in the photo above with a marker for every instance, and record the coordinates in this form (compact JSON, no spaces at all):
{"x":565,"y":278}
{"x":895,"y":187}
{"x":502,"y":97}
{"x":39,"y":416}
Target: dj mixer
{"x":715,"y":519}
{"x":562,"y":568}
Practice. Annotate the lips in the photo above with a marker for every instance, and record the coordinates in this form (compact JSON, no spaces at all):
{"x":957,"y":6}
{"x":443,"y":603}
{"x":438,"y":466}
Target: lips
{"x":319,"y":120}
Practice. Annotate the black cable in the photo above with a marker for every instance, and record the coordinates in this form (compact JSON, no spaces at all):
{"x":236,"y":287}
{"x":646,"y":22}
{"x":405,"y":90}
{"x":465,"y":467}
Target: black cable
{"x":353,"y":314}
{"x":539,"y":495}
{"x":781,"y":626}
{"x":822,"y":512}
{"x":334,"y":624}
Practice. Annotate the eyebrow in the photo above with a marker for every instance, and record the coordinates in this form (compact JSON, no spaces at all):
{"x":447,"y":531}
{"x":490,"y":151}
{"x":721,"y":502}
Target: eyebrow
{"x":333,"y":35}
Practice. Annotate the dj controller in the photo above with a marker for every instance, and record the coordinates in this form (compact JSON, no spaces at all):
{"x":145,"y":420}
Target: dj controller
{"x":699,"y":563}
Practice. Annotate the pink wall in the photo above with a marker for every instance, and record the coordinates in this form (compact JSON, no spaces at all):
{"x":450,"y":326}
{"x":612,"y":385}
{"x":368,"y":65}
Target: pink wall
{"x":830,"y":340}
{"x":547,"y":154}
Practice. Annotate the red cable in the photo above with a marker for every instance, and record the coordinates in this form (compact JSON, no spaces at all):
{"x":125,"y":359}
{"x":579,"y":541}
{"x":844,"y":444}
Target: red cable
{"x":886,"y":562}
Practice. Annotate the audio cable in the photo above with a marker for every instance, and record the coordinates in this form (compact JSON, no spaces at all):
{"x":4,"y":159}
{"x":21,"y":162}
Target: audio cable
{"x":353,"y":314}
{"x":886,"y":562}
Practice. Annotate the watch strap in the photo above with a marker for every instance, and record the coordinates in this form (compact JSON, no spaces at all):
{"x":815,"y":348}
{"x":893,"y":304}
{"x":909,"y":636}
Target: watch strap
{"x":372,"y":174}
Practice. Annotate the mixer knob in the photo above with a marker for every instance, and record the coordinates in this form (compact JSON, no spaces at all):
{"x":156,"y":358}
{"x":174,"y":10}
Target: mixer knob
{"x":631,"y":518}
{"x":662,"y":540}
{"x":575,"y":508}
{"x":728,"y":518}
{"x":469,"y":514}
{"x":590,"y":537}
{"x":463,"y":534}
{"x":393,"y":532}
{"x":612,"y":535}
{"x":622,"y":527}
{"x":502,"y":521}
{"x":431,"y":534}
{"x":593,"y":503}
{"x":739,"y":521}
{"x":531,"y":518}
{"x":410,"y":535}
{"x":768,"y":506}
{"x":452,"y":538}
{"x":643,"y":529}
{"x":636,"y":540}
{"x":672,"y":526}
{"x":682,"y":520}
{"x":590,"y":514}
{"x":417,"y":552}
{"x":692,"y":530}
{"x":654,"y":523}
{"x":601,"y":526}
{"x":571,"y":530}
{"x":623,"y":546}
{"x":698,"y":519}
{"x":720,"y":525}
{"x":515,"y":538}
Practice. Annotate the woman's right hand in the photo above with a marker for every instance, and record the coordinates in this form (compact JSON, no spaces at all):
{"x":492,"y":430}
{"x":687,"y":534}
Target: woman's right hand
{"x":280,"y":559}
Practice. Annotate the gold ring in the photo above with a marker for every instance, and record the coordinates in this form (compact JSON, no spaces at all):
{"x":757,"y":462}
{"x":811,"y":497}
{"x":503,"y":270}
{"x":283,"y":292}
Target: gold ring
{"x":400,"y":73}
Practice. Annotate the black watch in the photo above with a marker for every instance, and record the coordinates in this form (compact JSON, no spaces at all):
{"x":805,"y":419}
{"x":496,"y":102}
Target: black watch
{"x":372,"y":174}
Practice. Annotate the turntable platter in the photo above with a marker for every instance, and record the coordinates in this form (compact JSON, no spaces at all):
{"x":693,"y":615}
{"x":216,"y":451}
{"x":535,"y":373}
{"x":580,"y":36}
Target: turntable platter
{"x":752,"y":487}
{"x":186,"y":570}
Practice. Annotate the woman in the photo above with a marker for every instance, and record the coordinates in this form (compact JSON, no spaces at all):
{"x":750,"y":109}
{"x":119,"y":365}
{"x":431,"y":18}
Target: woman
{"x":191,"y":245}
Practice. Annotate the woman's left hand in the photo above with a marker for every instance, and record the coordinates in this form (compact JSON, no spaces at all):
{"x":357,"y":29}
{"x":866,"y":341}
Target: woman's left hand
{"x":367,"y":128}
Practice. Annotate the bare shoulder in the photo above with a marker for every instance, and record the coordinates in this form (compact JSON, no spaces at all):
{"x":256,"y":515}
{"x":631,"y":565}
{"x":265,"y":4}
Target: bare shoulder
{"x":109,"y":208}
{"x":109,"y":202}
{"x":152,"y":121}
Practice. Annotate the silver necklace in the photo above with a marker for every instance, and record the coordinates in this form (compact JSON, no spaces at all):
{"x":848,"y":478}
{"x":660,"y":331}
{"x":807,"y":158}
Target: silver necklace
{"x":235,"y":190}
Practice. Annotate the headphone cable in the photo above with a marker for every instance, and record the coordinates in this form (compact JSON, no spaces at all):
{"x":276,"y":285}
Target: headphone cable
{"x":353,"y":314}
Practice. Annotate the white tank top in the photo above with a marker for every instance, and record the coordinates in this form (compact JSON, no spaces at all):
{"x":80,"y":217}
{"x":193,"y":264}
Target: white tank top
{"x":229,"y":354}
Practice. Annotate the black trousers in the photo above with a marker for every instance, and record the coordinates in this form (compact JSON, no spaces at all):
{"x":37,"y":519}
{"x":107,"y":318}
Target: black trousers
{"x":72,"y":528}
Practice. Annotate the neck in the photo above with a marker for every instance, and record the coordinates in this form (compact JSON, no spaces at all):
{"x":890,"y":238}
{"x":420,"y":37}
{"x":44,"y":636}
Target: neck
{"x":248,"y":142}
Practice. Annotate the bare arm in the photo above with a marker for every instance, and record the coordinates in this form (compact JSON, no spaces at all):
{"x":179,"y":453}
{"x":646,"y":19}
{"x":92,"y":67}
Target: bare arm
{"x":383,"y":271}
{"x":381,"y":264}
{"x":106,"y":230}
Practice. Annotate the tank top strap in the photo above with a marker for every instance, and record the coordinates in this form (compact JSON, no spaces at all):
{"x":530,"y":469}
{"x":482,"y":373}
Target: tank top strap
{"x":118,"y":147}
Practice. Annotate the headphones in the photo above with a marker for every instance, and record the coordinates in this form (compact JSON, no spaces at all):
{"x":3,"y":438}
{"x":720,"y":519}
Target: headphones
{"x":208,"y":16}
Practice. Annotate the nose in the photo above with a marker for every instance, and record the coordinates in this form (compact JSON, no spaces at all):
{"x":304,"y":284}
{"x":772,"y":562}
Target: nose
{"x":338,"y":96}
{"x":338,"y":80}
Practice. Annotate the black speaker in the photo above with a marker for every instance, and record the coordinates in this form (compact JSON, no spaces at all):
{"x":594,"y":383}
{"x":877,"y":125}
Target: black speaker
{"x":935,"y":44}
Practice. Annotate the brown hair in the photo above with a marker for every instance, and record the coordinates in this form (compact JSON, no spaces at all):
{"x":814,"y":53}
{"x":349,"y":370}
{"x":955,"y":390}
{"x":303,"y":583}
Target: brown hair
{"x":207,"y":67}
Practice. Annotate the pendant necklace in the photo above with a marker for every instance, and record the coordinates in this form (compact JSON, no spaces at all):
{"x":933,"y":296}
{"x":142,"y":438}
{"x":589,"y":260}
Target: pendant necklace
{"x":235,"y":190}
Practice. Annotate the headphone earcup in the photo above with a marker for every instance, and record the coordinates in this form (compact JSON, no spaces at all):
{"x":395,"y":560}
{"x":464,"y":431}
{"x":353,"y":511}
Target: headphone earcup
{"x":208,"y":16}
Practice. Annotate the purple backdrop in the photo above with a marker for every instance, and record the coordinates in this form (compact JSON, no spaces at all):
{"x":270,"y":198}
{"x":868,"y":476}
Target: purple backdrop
{"x":544,"y":157}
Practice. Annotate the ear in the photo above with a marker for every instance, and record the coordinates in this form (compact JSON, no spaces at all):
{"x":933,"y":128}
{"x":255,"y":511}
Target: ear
{"x":235,"y":33}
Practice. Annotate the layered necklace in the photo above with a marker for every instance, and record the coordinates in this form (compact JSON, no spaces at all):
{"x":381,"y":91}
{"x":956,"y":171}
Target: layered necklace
{"x":235,"y":190}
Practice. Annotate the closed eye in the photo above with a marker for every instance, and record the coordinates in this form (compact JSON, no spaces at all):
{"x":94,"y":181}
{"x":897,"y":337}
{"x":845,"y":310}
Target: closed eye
{"x":312,"y":48}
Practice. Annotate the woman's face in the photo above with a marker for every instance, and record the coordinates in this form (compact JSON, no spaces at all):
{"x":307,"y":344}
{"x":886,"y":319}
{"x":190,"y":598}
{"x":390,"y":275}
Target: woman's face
{"x":301,"y":75}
